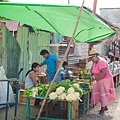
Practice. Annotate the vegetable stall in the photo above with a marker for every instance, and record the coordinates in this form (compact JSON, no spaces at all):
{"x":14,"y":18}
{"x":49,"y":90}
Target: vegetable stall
{"x":66,"y":90}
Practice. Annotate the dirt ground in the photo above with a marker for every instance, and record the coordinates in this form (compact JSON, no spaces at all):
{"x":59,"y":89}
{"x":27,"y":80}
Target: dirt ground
{"x":112,"y":114}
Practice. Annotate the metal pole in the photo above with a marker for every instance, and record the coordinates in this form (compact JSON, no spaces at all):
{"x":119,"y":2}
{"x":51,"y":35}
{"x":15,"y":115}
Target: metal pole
{"x":69,"y":111}
{"x":94,"y":6}
{"x":68,"y":1}
{"x":94,"y":12}
{"x":7,"y":101}
{"x":16,"y":101}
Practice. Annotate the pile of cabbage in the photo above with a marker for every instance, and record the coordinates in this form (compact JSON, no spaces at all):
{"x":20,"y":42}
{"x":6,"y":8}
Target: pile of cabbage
{"x":65,"y":90}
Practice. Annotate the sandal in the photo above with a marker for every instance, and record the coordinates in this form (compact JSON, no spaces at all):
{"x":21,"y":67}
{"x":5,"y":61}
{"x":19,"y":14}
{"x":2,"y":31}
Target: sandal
{"x":105,"y":109}
{"x":101,"y":112}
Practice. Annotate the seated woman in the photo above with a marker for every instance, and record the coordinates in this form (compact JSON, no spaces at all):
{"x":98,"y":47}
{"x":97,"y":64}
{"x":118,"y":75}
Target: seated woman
{"x":32,"y":79}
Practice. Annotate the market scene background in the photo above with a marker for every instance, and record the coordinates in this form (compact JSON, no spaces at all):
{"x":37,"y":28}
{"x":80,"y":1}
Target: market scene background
{"x":46,"y":59}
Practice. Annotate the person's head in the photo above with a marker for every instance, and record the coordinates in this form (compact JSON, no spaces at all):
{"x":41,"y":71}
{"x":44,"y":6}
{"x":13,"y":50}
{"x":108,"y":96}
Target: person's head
{"x":93,"y":55}
{"x":44,"y":53}
{"x":65,"y":65}
{"x":35,"y":67}
{"x":111,"y":57}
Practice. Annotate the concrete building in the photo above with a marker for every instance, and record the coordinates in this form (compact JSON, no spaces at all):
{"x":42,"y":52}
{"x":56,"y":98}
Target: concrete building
{"x":112,"y":15}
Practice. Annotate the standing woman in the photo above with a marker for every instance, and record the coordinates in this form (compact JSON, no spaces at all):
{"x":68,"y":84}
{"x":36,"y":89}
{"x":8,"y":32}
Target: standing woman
{"x":32,"y":79}
{"x":103,"y":87}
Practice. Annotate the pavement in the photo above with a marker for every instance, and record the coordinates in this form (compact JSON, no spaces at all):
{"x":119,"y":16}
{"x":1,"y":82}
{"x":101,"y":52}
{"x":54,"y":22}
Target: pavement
{"x":112,"y":114}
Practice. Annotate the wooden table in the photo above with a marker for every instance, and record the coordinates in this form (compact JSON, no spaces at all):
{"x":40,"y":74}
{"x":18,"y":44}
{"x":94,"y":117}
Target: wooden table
{"x":28,"y":116}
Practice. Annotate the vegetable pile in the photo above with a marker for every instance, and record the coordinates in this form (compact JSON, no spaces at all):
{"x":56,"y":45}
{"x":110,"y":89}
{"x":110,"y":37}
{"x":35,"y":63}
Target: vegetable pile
{"x":38,"y":90}
{"x":65,"y":90}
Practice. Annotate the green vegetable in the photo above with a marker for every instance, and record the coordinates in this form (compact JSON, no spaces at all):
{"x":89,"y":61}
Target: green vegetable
{"x":27,"y":92}
{"x":65,"y":84}
{"x":54,"y":86}
{"x":79,"y":90}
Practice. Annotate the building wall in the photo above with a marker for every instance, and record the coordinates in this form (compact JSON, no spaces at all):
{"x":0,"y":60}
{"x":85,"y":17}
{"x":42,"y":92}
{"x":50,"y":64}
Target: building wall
{"x":111,"y":15}
{"x":9,"y":52}
{"x":31,"y":44}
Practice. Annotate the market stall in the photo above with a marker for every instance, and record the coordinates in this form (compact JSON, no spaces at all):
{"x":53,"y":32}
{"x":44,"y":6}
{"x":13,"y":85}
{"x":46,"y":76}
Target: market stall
{"x":65,"y":91}
{"x":54,"y":22}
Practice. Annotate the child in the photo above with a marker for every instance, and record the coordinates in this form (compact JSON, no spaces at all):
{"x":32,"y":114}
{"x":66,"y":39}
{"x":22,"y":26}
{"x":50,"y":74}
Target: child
{"x":64,"y":71}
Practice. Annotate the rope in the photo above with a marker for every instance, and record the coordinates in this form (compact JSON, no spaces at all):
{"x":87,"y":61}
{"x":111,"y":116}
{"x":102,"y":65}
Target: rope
{"x":60,"y":65}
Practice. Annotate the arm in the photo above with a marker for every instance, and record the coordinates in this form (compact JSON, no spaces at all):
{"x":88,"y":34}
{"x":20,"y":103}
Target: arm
{"x":91,"y":71}
{"x":63,"y":76}
{"x":102,"y":73}
{"x":41,"y":64}
{"x":33,"y":77}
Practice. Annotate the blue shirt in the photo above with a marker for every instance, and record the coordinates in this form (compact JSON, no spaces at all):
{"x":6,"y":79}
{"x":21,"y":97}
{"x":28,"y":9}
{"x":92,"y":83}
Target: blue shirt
{"x":63,"y":71}
{"x":51,"y":63}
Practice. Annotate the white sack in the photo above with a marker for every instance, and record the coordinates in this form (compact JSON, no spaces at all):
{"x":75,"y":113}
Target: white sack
{"x":3,"y":89}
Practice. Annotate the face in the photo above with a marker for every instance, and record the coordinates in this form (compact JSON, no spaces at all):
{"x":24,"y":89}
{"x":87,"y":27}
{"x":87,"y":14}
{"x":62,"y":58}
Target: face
{"x":36,"y":69}
{"x":94,"y":58}
{"x":45,"y":55}
{"x":66,"y":67}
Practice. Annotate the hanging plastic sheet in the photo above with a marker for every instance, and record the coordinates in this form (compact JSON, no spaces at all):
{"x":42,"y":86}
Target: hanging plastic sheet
{"x":3,"y":89}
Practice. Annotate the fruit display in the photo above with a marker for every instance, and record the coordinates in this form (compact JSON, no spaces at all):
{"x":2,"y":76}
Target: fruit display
{"x":65,"y":90}
{"x":41,"y":74}
{"x":84,"y":75}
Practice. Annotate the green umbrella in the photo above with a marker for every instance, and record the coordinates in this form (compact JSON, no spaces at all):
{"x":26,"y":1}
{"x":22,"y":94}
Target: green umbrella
{"x":59,"y":19}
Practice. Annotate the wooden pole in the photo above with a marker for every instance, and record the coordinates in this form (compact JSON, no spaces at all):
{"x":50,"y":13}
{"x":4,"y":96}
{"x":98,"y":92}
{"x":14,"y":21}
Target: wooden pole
{"x":94,"y":12}
{"x":61,"y":63}
{"x":68,"y":40}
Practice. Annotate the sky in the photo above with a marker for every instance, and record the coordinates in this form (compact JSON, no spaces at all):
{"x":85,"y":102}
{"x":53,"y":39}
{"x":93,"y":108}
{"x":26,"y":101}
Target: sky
{"x":88,"y":3}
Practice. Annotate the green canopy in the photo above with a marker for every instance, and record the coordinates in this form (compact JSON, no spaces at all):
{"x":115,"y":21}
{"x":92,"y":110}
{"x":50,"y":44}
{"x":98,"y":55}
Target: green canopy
{"x":59,"y":19}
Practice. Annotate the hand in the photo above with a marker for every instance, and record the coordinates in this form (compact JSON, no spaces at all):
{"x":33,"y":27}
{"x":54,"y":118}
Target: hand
{"x":93,"y":78}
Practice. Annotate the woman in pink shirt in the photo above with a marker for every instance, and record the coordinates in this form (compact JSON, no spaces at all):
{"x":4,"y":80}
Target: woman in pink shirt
{"x":103,"y":88}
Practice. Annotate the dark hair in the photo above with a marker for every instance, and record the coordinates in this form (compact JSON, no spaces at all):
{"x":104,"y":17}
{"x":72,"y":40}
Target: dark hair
{"x":65,"y":63}
{"x":43,"y":52}
{"x":34,"y":65}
